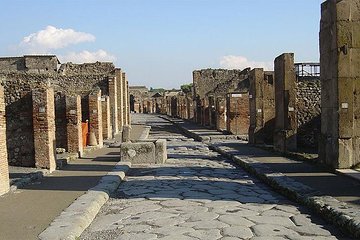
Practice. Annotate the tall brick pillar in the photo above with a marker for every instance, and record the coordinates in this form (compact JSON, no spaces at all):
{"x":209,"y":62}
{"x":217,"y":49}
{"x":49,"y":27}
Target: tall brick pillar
{"x":237,"y":119}
{"x":120,"y":98}
{"x":4,"y":167}
{"x":44,"y":128}
{"x":106,"y":126}
{"x":340,"y":83}
{"x":95,"y":116}
{"x":73,"y":125}
{"x":261,"y":106}
{"x":113,"y":95}
{"x":285,"y":101}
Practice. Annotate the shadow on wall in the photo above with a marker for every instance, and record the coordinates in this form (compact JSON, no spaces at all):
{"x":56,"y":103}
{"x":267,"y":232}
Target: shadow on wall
{"x":19,"y":132}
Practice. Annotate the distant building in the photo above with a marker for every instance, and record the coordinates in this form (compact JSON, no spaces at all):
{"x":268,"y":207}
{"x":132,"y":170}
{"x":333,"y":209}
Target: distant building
{"x":30,"y":63}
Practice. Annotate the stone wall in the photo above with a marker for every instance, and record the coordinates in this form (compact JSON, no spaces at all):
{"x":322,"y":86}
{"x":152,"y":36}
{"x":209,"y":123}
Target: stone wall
{"x":340,"y":74}
{"x":285,"y":138}
{"x":308,"y":109}
{"x":86,"y":68}
{"x":29,"y":63}
{"x":237,"y":119}
{"x":18,"y":100}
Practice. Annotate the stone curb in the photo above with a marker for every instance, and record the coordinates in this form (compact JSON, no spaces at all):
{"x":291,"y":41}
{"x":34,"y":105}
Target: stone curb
{"x":343,"y":215}
{"x":78,"y":216}
{"x":28,"y":179}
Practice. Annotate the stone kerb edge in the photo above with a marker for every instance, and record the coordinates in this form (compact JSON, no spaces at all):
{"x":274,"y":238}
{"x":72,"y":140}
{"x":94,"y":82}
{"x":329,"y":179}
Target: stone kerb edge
{"x":78,"y":216}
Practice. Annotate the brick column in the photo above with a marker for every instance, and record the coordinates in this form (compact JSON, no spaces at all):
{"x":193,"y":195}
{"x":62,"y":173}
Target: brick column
{"x":120,"y":97}
{"x":4,"y":166}
{"x":340,"y":83}
{"x":44,"y":128}
{"x":285,"y":102}
{"x":73,"y":125}
{"x":95,"y":116}
{"x":261,"y":106}
{"x":237,"y":119}
{"x":106,"y":126}
{"x":113,"y":95}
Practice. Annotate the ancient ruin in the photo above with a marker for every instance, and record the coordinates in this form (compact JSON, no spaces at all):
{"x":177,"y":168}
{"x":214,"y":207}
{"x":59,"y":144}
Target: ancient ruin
{"x":50,"y":106}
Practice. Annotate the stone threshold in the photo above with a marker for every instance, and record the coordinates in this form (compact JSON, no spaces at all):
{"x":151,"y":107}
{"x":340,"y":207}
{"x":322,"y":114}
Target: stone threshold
{"x":343,"y":215}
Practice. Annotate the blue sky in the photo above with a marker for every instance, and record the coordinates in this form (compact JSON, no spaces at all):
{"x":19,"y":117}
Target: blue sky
{"x":160,"y":42}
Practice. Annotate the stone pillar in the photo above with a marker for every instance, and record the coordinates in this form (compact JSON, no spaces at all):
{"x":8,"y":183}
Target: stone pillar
{"x":206,"y":113}
{"x":261,"y":106}
{"x":237,"y":119}
{"x":127,"y":106}
{"x":44,"y":128}
{"x":120,"y":98}
{"x":221,"y":113}
{"x":95,"y":116}
{"x":73,"y":125}
{"x":340,"y":83}
{"x":106,"y":126}
{"x":285,"y":101}
{"x":4,"y":167}
{"x":113,"y":95}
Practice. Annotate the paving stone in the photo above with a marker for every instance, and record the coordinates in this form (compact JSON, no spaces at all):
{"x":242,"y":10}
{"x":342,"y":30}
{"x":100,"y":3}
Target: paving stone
{"x":172,"y":230}
{"x":209,"y":234}
{"x":283,"y":221}
{"x":107,"y":222}
{"x":136,"y":228}
{"x":213,"y":224}
{"x":238,"y":231}
{"x":272,"y":230}
{"x":137,"y":236}
{"x":235,"y":220}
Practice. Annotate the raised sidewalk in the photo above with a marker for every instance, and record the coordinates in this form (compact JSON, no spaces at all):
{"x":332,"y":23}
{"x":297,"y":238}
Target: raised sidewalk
{"x":334,"y":196}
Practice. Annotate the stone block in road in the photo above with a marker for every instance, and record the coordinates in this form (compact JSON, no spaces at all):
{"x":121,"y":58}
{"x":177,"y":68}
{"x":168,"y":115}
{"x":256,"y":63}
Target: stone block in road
{"x":138,"y":153}
{"x":160,"y":151}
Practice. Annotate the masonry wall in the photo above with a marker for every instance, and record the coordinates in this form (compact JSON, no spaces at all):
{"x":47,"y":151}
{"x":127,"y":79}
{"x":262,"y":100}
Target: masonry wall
{"x":106,"y":126}
{"x":74,"y":139}
{"x":308,"y":104}
{"x":261,"y":106}
{"x":221,"y":114}
{"x":4,"y":168}
{"x":44,"y":128}
{"x":237,"y":119}
{"x":285,"y":138}
{"x":340,"y":83}
{"x":95,"y":118}
{"x":18,"y":100}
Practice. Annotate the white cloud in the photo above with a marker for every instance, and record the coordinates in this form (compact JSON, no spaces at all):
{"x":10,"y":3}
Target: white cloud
{"x":53,"y":38}
{"x":87,"y":57}
{"x":240,"y":62}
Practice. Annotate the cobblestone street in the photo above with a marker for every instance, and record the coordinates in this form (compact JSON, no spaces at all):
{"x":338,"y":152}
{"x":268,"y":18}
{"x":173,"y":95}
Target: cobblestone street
{"x":198,"y":194}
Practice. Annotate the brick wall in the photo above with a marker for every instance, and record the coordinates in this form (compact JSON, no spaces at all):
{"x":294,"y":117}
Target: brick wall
{"x":44,"y":128}
{"x":4,"y":168}
{"x":73,"y":126}
{"x":237,"y":119}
